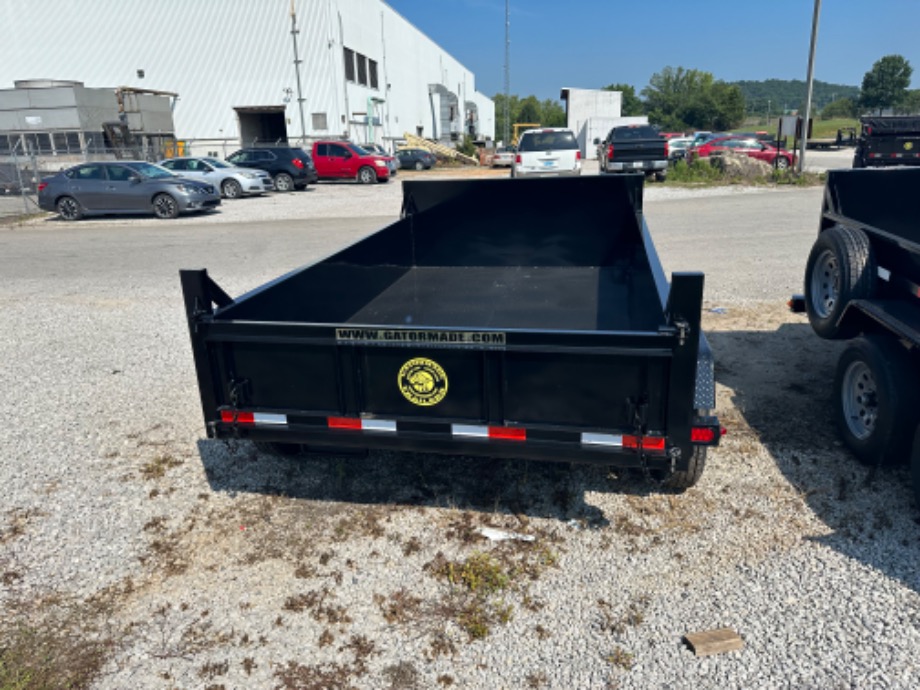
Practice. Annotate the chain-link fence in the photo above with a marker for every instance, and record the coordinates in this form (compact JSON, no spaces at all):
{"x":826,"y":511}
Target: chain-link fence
{"x":19,"y":178}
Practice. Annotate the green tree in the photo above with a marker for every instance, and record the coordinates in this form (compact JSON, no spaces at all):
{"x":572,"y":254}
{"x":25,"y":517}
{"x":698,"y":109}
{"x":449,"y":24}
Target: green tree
{"x":530,"y":110}
{"x":885,"y":85}
{"x":632,"y":104}
{"x":841,"y":108}
{"x":552,"y":113}
{"x":680,"y":99}
{"x":911,"y":105}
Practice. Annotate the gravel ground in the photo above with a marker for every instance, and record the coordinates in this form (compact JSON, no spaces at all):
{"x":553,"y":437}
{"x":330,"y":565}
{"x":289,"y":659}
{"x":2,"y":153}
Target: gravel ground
{"x":145,"y":556}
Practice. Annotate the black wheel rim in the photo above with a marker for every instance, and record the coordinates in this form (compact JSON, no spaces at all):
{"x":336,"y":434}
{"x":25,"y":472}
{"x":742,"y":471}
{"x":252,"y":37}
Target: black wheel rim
{"x":68,"y":209}
{"x":164,"y":206}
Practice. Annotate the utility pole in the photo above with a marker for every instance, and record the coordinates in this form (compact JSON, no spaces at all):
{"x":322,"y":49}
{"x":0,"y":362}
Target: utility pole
{"x":294,"y":32}
{"x":506,"y":134}
{"x":810,"y":82}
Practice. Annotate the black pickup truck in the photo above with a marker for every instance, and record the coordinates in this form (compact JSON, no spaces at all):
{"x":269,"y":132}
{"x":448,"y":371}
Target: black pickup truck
{"x":543,"y":329}
{"x":633,"y":148}
{"x":887,"y":141}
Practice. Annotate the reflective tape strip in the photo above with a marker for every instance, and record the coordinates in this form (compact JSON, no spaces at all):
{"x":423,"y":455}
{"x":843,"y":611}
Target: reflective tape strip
{"x":268,"y":418}
{"x":884,"y":273}
{"x":378,"y":425}
{"x":469,"y":430}
{"x":602,"y":440}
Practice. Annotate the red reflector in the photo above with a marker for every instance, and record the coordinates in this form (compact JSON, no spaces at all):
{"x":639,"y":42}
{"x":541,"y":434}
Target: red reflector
{"x":507,"y":433}
{"x":344,"y":423}
{"x":648,"y":442}
{"x":653,"y":443}
{"x":702,"y":434}
{"x":234,"y":417}
{"x":297,"y":163}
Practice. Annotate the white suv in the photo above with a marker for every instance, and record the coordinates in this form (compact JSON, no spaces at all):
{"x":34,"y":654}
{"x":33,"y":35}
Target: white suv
{"x":549,"y":151}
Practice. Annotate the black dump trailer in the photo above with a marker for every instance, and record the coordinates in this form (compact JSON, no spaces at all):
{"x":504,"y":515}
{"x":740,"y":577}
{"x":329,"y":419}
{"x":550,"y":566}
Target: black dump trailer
{"x":862,"y":283}
{"x":886,"y":141}
{"x":502,"y":318}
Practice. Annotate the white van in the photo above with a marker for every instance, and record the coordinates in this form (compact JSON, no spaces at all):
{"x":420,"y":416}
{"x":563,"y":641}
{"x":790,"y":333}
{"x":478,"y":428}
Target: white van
{"x":548,"y":151}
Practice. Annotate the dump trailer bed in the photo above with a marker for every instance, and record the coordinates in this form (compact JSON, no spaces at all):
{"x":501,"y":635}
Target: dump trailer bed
{"x":507,"y":318}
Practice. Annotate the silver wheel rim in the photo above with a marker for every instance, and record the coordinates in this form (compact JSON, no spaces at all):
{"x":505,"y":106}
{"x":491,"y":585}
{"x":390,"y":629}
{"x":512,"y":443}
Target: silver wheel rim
{"x":67,"y":208}
{"x":825,"y":284}
{"x":860,"y":400}
{"x":782,"y":163}
{"x":283,"y":183}
{"x":231,"y":189}
{"x":164,"y":206}
{"x":365,"y":175}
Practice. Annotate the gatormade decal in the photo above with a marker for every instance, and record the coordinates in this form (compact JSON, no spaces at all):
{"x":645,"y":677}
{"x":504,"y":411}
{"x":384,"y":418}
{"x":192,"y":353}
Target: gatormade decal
{"x":371,"y":336}
{"x":422,"y":382}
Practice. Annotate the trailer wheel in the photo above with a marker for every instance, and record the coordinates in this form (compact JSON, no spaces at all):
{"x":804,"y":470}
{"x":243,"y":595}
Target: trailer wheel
{"x":840,"y":268}
{"x":681,"y":481}
{"x":876,"y":399}
{"x":915,"y":466}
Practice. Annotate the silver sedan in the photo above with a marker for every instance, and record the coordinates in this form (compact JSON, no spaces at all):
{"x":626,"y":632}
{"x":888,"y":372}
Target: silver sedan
{"x":232,"y":181}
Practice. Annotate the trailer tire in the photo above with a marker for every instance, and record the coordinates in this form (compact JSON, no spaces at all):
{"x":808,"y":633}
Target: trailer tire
{"x":875,"y":399}
{"x":840,"y":268}
{"x":915,"y":466}
{"x":681,"y":481}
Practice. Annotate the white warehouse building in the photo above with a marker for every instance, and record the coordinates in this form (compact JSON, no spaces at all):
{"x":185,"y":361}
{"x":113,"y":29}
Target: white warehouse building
{"x":365,"y":72}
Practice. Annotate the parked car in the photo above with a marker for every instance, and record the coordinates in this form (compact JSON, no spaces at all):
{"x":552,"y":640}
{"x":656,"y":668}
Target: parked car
{"x":232,"y":181}
{"x":345,"y":160}
{"x":290,"y":166}
{"x":380,"y":151}
{"x":548,"y":151}
{"x":123,"y":187}
{"x":779,"y":158}
{"x":677,"y":148}
{"x":418,"y":159}
{"x":504,"y":157}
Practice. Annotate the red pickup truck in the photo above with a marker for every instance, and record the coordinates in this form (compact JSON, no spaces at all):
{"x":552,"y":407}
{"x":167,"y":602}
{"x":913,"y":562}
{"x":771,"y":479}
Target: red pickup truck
{"x":344,"y":160}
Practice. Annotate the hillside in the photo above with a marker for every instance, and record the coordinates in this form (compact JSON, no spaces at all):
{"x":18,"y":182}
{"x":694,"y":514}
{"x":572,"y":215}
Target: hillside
{"x":789,"y":94}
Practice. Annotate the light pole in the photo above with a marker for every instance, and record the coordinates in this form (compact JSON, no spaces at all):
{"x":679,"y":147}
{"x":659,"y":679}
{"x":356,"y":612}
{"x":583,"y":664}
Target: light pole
{"x":810,"y":82}
{"x":294,"y":32}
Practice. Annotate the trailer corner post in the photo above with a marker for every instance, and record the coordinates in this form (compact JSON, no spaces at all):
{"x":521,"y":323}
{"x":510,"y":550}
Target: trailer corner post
{"x":684,"y":312}
{"x":198,"y":291}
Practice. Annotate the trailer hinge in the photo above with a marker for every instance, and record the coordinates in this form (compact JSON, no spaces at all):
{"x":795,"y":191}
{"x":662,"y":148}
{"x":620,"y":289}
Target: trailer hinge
{"x":683,"y":331}
{"x":638,"y":411}
{"x":239,"y":392}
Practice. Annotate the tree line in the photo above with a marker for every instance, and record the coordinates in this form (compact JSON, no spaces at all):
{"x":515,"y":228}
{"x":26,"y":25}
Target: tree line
{"x":680,"y":99}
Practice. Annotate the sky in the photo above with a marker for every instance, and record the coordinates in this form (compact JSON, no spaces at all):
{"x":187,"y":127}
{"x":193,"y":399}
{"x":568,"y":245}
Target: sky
{"x":591,"y":43}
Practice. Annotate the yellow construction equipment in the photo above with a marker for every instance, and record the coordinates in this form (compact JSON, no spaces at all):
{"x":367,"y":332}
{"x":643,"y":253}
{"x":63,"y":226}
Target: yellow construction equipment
{"x":520,"y":127}
{"x":420,"y":143}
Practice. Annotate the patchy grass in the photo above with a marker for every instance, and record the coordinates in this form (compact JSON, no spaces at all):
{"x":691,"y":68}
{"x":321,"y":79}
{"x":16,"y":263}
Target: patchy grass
{"x":159,"y":466}
{"x":620,"y":658}
{"x":706,"y":172}
{"x":53,"y":644}
{"x":479,"y":584}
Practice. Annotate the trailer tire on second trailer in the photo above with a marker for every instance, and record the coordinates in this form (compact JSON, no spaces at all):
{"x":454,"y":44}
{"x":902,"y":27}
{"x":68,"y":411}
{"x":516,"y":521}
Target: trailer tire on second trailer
{"x":875,"y":399}
{"x":840,"y":268}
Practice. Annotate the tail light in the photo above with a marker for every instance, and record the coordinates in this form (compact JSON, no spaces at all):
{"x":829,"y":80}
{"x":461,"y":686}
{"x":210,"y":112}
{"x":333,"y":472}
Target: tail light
{"x":517,"y":158}
{"x":297,"y":163}
{"x":578,"y":155}
{"x":667,"y":150}
{"x":610,"y":152}
{"x":42,"y":186}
